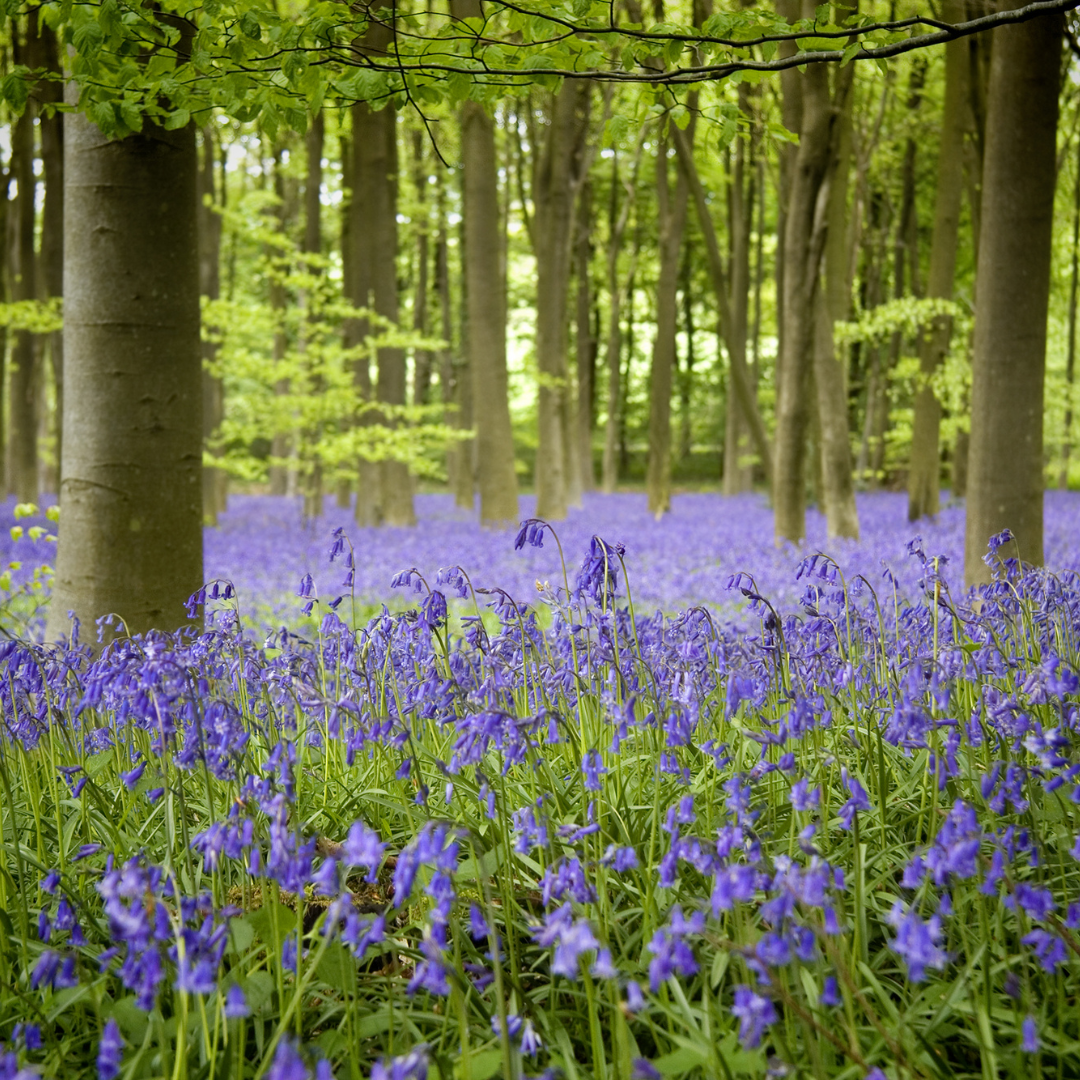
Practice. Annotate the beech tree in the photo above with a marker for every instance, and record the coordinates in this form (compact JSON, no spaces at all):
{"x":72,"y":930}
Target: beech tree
{"x":131,"y":485}
{"x":1005,"y":471}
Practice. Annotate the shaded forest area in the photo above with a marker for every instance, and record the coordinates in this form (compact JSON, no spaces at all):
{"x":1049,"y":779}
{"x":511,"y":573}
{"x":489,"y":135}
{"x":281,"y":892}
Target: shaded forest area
{"x":339,"y":253}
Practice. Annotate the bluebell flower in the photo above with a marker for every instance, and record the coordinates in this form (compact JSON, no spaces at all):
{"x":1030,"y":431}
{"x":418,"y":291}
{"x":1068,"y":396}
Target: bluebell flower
{"x":593,"y":767}
{"x":1049,"y":949}
{"x":410,"y":1066}
{"x":830,"y":993}
{"x":859,"y":800}
{"x":531,"y":1043}
{"x":754,"y":1013}
{"x":635,"y":999}
{"x":642,"y":1069}
{"x":236,"y":1006}
{"x":916,"y":941}
{"x":1029,"y":1040}
{"x":287,"y":1063}
{"x":513,"y":1025}
{"x":110,"y":1051}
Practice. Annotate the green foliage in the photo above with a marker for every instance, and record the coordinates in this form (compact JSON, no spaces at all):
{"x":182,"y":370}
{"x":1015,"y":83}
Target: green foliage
{"x":290,"y":378}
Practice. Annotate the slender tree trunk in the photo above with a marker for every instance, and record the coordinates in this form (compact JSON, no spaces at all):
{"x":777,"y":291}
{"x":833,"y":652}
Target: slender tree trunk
{"x":130,"y":494}
{"x":422,"y":357}
{"x":585,"y":343}
{"x":740,"y":376}
{"x":52,"y":217}
{"x":23,"y":384}
{"x":803,"y":236}
{"x":555,"y":184}
{"x":495,"y":475}
{"x":463,"y":473}
{"x":618,"y":218}
{"x":671,"y":208}
{"x":925,"y":470}
{"x":1005,"y":481}
{"x":833,"y":304}
{"x":280,"y":443}
{"x":738,"y":475}
{"x":686,"y":376}
{"x":312,"y":478}
{"x":385,"y":489}
{"x":214,"y":480}
{"x":1070,"y":360}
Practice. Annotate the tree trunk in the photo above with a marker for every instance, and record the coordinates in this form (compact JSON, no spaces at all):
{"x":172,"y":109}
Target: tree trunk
{"x":1005,"y":472}
{"x":23,"y":384}
{"x":312,"y":245}
{"x":834,"y":304}
{"x":803,"y":235}
{"x":925,"y":470}
{"x":671,"y":210}
{"x":686,"y":375}
{"x":385,"y":489}
{"x":52,"y":216}
{"x":618,"y":217}
{"x":280,"y":442}
{"x":495,"y":475}
{"x":738,"y":474}
{"x":585,"y":343}
{"x":740,"y":376}
{"x":214,"y":480}
{"x":459,"y":379}
{"x":130,"y":494}
{"x":421,"y":357}
{"x":1070,"y":355}
{"x":555,"y":184}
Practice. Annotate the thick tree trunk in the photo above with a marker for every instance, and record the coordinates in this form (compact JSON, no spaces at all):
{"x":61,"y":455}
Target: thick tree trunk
{"x":214,"y":480}
{"x":459,"y":379}
{"x":833,"y":304}
{"x":495,"y":476}
{"x":803,"y":235}
{"x":23,"y":384}
{"x":557,"y":175}
{"x":925,"y":470}
{"x":671,"y":208}
{"x":1005,"y":472}
{"x":584,"y":341}
{"x":130,"y":494}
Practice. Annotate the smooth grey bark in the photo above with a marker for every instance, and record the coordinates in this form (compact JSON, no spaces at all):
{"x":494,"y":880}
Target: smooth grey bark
{"x":422,"y":357}
{"x":618,"y":218}
{"x":833,"y":303}
{"x":215,"y":480}
{"x":312,"y":480}
{"x":925,"y":469}
{"x":495,"y":475}
{"x":584,"y":339}
{"x":130,"y":493}
{"x":51,"y":257}
{"x":803,"y":238}
{"x":23,"y":380}
{"x":739,"y":475}
{"x":385,"y":489}
{"x":1005,"y":470}
{"x":686,"y":374}
{"x":281,"y":442}
{"x":1070,"y":354}
{"x":557,"y":175}
{"x":672,"y":209}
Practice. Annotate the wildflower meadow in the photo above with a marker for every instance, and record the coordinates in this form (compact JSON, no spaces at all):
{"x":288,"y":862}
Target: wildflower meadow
{"x":609,"y":799}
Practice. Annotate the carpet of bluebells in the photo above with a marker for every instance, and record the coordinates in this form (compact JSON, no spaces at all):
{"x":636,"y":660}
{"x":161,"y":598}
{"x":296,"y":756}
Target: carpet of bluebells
{"x":654,"y":817}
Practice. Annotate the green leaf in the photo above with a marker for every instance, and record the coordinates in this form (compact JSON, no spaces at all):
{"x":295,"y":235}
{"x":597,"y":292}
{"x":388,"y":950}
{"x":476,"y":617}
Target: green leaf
{"x":250,"y":26}
{"x":176,"y":120}
{"x":481,"y":1066}
{"x":16,"y":90}
{"x":850,"y":52}
{"x":680,"y":1062}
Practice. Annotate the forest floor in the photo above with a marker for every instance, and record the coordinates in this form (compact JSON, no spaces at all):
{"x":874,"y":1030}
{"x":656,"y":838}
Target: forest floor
{"x":688,"y":557}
